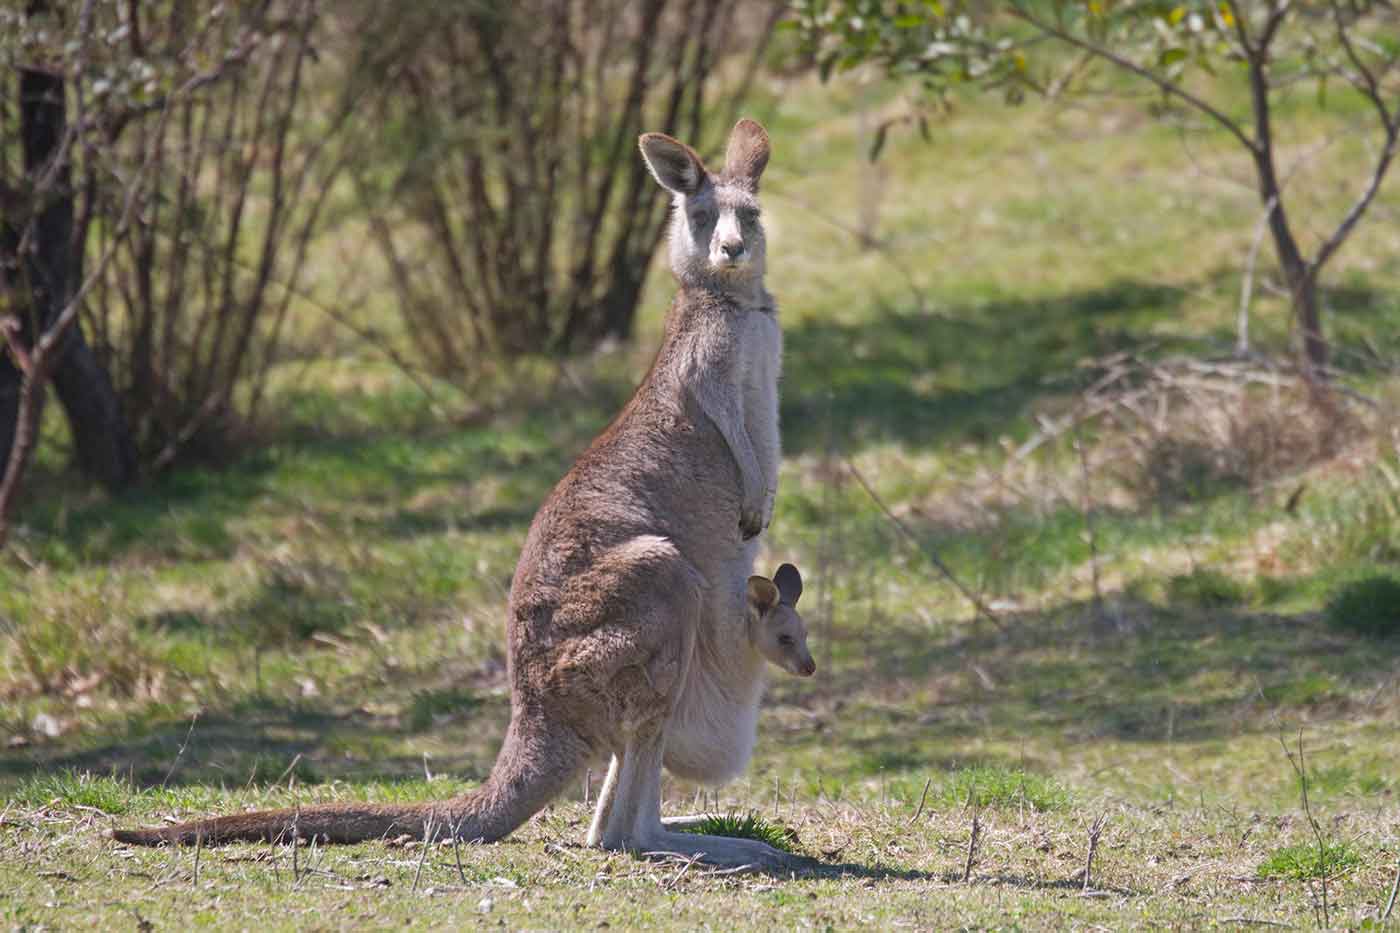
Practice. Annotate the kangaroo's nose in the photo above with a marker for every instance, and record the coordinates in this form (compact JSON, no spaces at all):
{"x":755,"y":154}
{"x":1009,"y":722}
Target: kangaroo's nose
{"x":732,"y":249}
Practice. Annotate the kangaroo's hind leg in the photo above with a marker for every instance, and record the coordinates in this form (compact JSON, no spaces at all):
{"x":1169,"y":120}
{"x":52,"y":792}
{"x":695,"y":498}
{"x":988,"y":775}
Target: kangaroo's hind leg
{"x":629,"y":806}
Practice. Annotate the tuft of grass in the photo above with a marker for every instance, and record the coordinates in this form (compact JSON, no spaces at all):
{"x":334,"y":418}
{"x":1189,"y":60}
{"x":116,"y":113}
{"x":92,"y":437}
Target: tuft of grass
{"x":74,"y":789}
{"x":1369,"y":606}
{"x":1309,"y":862}
{"x":1005,"y":787}
{"x":1206,"y":589}
{"x":746,"y":826}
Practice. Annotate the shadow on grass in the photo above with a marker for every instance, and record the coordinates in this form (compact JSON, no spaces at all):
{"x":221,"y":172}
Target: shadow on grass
{"x":897,"y":703}
{"x":1167,"y":675}
{"x":968,"y":373}
{"x":192,"y":514}
{"x":267,"y":742}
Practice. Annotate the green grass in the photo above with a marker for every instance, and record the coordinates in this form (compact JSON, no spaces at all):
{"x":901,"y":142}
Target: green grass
{"x":745,"y":826}
{"x":69,"y":789}
{"x":1004,"y":787}
{"x":327,"y":610}
{"x":1370,"y":606}
{"x":1310,"y":861}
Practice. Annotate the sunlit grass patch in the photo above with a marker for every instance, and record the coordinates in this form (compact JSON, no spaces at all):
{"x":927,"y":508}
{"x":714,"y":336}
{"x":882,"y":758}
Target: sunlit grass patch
{"x":1310,"y":861}
{"x":746,"y":826}
{"x":992,"y":786}
{"x":73,"y":789}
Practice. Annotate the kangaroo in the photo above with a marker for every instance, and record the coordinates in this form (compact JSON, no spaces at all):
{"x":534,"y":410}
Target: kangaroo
{"x":776,"y":631}
{"x":627,"y":620}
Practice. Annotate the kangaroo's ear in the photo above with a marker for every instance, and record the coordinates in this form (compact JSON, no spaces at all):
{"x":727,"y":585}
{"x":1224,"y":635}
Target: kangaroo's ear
{"x":747,"y":154}
{"x":672,"y":163}
{"x":763,"y":594}
{"x":789,"y":583}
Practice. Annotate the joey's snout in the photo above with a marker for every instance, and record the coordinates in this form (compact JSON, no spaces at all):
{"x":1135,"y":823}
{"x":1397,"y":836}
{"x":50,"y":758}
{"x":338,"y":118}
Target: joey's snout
{"x":732,"y":249}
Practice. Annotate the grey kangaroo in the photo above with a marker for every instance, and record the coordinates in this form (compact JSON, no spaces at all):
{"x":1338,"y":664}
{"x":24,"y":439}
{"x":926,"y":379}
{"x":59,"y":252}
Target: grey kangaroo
{"x":628,"y":617}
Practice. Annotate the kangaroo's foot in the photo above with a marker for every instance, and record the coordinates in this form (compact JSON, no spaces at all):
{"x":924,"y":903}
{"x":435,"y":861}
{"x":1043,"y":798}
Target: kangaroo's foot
{"x":690,"y":821}
{"x":721,"y":851}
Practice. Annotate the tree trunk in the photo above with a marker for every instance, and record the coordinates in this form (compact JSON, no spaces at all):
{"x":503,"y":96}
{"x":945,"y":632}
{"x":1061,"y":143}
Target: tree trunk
{"x":1315,"y":355}
{"x":102,"y":439}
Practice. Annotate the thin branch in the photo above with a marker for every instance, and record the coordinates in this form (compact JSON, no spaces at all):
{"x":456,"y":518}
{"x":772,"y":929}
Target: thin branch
{"x":1247,"y":284}
{"x":1167,"y":86}
{"x":1369,"y":88}
{"x":1373,"y":186}
{"x":927,"y":551}
{"x":1368,"y":85}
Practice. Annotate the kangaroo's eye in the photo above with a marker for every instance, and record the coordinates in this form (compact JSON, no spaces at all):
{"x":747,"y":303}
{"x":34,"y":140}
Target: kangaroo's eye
{"x":785,"y":640}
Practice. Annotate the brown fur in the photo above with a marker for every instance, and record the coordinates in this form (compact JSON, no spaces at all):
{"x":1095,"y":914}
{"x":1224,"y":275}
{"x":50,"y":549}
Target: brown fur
{"x":628,"y":605}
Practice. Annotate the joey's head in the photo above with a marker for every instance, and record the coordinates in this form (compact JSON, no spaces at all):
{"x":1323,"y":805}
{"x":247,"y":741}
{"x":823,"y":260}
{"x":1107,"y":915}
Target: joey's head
{"x":775,"y":629}
{"x":716,"y":230}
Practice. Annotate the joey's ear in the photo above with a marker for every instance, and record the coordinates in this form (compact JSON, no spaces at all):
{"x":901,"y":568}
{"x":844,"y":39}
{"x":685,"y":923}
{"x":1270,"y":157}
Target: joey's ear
{"x":763,"y":594}
{"x":672,"y":163}
{"x":747,"y":154}
{"x":789,"y":583}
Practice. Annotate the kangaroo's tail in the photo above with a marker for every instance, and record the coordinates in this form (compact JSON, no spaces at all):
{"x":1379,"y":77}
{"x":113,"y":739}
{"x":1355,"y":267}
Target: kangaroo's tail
{"x":537,"y":761}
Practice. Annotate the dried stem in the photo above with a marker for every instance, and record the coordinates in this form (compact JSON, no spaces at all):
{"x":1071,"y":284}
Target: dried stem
{"x":919,"y":811}
{"x":1095,"y":832}
{"x":975,"y":836}
{"x":428,"y":837}
{"x":1300,"y":767}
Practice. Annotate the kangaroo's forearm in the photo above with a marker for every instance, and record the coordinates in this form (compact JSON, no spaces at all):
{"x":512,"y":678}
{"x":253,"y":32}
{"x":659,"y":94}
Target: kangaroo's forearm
{"x":741,"y":447}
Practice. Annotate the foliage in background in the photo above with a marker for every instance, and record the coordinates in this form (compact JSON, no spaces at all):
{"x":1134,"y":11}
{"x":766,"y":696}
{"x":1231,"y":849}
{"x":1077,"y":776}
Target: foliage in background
{"x":1273,"y":49}
{"x":1370,"y":606}
{"x":190,"y":313}
{"x":160,"y":188}
{"x":505,"y":191}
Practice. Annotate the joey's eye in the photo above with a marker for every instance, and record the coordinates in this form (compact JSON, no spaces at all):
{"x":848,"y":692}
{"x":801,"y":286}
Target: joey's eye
{"x":785,"y":640}
{"x":748,"y":214}
{"x":701,"y":218}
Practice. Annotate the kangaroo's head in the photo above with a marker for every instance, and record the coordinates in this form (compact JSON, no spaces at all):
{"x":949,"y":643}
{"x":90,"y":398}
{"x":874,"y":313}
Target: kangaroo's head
{"x":716,"y":232}
{"x":775,"y":628}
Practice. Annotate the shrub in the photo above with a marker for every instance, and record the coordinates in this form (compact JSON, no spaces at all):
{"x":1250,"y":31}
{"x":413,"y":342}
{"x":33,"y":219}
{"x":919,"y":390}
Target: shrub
{"x":1369,"y":606}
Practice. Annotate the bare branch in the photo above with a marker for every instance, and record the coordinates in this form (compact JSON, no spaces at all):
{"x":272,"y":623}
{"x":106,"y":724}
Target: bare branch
{"x":1168,"y":87}
{"x":1365,"y":80}
{"x":1363,"y":201}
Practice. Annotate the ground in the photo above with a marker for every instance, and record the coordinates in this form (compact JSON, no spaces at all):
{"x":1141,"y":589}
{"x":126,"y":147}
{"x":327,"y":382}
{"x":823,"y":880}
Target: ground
{"x":322,"y":617}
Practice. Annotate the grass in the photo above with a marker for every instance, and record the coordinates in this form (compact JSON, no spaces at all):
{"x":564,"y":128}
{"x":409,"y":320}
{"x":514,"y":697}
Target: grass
{"x":745,"y":826}
{"x":1370,"y":606}
{"x":1303,"y":862}
{"x":321,"y":619}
